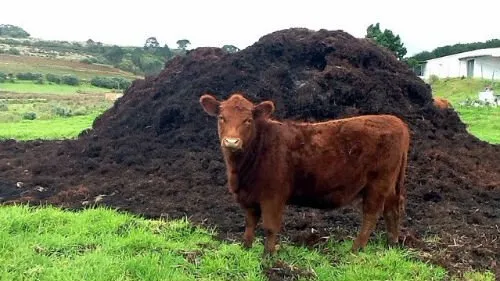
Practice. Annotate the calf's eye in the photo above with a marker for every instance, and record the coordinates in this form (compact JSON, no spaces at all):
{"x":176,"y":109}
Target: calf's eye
{"x":222,"y":119}
{"x":248,"y":121}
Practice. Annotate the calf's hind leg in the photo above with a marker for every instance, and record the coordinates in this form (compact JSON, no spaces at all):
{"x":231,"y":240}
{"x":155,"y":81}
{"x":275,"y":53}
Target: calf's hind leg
{"x":392,"y":218}
{"x":373,"y":203}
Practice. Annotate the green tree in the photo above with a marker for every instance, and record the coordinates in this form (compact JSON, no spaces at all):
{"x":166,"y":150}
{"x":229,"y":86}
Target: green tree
{"x":114,"y":54}
{"x":183,"y":43}
{"x":151,"y":43}
{"x":151,"y":65}
{"x":8,"y":30}
{"x":230,"y":48}
{"x":95,"y":47}
{"x":386,"y":39}
{"x":164,"y":52}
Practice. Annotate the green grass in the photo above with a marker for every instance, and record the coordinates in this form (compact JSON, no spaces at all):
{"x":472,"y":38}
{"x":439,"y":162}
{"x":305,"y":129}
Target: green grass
{"x":457,"y":90}
{"x":30,"y":87}
{"x":16,"y":64}
{"x":102,"y":244}
{"x":56,"y":128}
{"x":483,"y":122}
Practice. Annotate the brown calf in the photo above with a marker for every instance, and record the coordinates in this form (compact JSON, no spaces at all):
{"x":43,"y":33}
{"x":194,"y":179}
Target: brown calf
{"x":323,"y":165}
{"x":441,"y":103}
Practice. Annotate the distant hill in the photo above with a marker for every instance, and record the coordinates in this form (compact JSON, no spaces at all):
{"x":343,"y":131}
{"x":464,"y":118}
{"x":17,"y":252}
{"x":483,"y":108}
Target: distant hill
{"x":141,"y":60}
{"x":146,"y":60}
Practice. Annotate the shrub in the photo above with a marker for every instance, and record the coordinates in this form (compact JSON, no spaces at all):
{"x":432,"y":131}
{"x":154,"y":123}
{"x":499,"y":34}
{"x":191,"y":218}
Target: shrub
{"x":92,"y":60}
{"x":70,"y":80}
{"x":29,"y":116}
{"x":129,"y":66}
{"x":110,"y":83}
{"x":53,"y":78}
{"x":433,"y":79}
{"x":13,"y":51}
{"x":40,"y":81}
{"x":61,"y":111}
{"x":87,"y":61}
{"x":3,"y":77}
{"x":29,"y":76}
{"x":4,"y":106}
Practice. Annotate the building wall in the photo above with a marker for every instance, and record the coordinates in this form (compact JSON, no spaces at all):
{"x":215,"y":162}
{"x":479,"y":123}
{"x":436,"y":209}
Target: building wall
{"x":487,"y":68}
{"x":443,"y":67}
{"x":486,"y":63}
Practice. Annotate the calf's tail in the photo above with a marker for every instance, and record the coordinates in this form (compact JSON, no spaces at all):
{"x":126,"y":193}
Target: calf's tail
{"x":400,"y":184}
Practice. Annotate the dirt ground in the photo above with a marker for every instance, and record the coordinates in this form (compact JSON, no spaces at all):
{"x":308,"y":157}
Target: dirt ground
{"x":156,"y":153}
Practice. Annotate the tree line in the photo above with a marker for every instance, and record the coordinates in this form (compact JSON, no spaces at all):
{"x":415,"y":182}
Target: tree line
{"x":118,"y":83}
{"x":455,"y":49}
{"x":393,"y":42}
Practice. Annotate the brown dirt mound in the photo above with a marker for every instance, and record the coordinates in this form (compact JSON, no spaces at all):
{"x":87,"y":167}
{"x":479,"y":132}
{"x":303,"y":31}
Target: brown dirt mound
{"x":155,"y":152}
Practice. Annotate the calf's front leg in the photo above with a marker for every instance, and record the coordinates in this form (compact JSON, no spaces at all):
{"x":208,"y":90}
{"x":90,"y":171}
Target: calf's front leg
{"x":272,"y":213}
{"x":251,"y":219}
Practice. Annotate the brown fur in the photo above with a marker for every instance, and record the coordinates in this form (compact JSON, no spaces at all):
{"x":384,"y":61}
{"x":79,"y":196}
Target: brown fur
{"x":441,"y":103}
{"x":320,"y":165}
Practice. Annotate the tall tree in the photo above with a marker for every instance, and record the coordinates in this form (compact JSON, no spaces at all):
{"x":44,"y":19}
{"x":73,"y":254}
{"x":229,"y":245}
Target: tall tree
{"x":386,"y":39}
{"x":151,"y":43}
{"x":183,"y":43}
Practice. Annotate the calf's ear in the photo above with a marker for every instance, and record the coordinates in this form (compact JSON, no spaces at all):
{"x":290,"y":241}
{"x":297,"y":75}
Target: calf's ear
{"x":210,"y":104}
{"x":263,"y":109}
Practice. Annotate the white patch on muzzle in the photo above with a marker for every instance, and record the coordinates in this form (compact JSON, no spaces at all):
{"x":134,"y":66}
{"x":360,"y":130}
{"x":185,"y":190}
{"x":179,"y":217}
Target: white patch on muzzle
{"x":231,"y":143}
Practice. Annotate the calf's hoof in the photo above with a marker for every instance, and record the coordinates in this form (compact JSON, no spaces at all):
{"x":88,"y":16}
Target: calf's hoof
{"x":356,"y":247}
{"x":268,"y":252}
{"x":247,"y":244}
{"x":391,"y":243}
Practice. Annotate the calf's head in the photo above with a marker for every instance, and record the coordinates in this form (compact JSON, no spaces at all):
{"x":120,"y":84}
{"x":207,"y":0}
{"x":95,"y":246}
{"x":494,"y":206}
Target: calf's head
{"x":238,"y":119}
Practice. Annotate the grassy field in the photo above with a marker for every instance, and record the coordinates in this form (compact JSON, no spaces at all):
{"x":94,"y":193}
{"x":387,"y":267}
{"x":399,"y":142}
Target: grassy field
{"x":56,"y":128}
{"x":30,"y":87}
{"x":16,"y":64}
{"x":49,"y":111}
{"x":483,"y":122}
{"x":102,"y":244}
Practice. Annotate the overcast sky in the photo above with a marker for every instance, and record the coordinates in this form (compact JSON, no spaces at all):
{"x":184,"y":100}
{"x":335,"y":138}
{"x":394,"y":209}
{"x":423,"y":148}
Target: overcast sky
{"x":422,"y":24}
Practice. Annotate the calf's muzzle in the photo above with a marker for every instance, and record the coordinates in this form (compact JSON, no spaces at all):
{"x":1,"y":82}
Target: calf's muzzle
{"x":231,"y":143}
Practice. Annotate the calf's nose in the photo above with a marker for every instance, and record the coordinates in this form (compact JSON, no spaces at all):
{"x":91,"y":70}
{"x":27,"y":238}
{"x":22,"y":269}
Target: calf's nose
{"x":231,"y":142}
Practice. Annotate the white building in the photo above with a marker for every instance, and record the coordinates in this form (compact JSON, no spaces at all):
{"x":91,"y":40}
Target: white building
{"x":483,"y":63}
